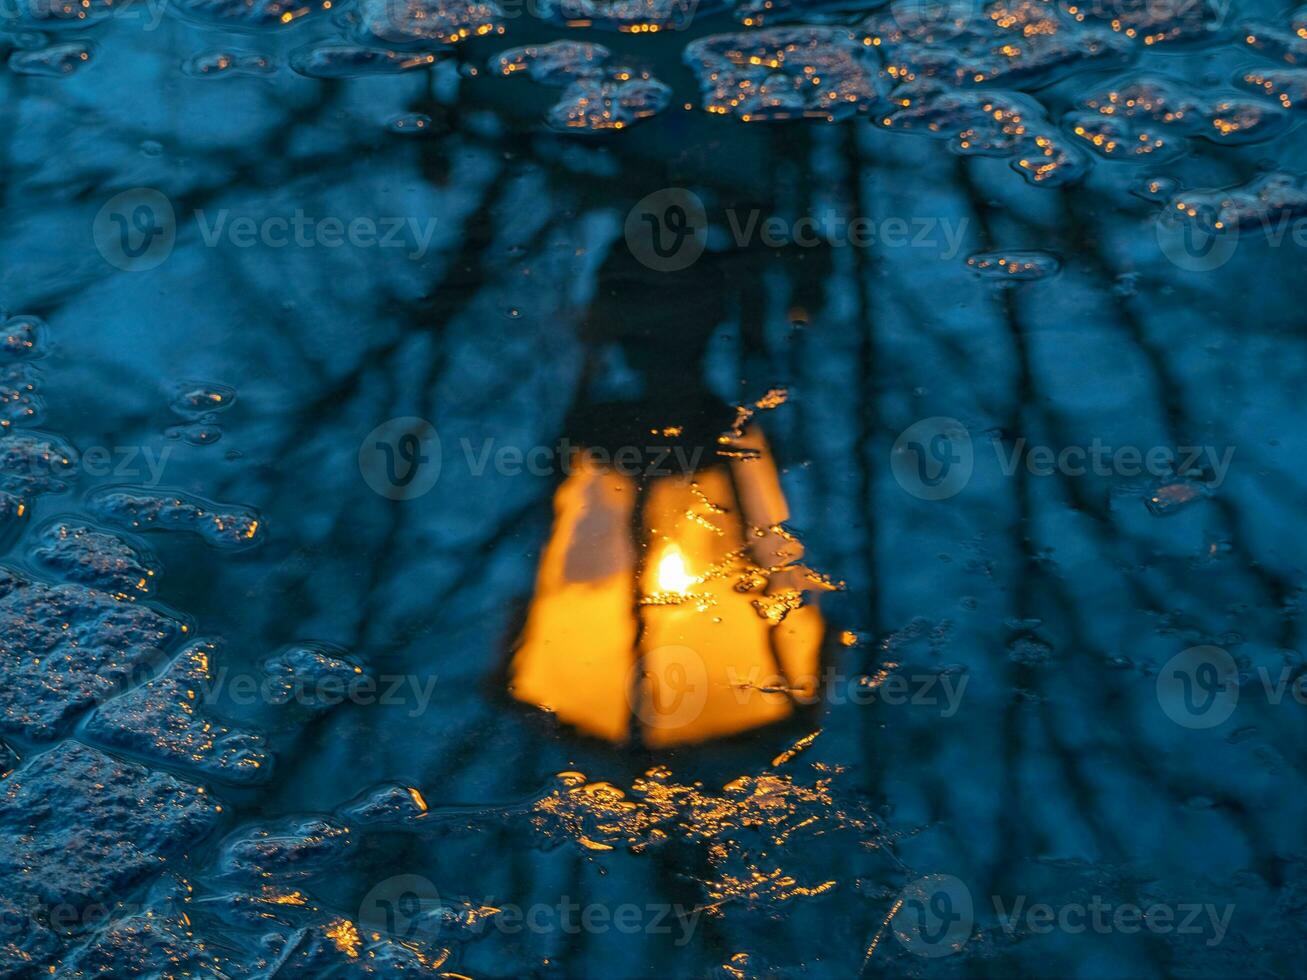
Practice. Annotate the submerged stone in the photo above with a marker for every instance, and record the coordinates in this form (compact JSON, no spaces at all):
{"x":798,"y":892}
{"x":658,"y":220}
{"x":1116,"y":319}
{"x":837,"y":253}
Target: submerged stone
{"x":225,"y":526}
{"x":353,"y":60}
{"x":34,"y":462}
{"x":556,"y":63}
{"x":249,"y":14}
{"x":222,"y":64}
{"x":78,"y":826}
{"x":424,"y":21}
{"x":55,"y":61}
{"x":67,"y":648}
{"x":1014,"y":265}
{"x":612,"y":101}
{"x":77,"y":553}
{"x":785,"y":73}
{"x":294,"y":848}
{"x":166,"y":719}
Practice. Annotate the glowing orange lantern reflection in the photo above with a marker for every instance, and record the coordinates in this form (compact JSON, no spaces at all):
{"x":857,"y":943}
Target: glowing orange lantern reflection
{"x":671,"y":608}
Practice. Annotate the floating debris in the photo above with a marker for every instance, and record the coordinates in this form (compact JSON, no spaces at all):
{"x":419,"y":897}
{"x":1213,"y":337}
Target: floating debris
{"x":224,"y":64}
{"x":81,"y":554}
{"x":352,"y":61}
{"x":1170,"y":497}
{"x":785,"y":73}
{"x":147,"y":509}
{"x":161,"y":720}
{"x":1014,"y":266}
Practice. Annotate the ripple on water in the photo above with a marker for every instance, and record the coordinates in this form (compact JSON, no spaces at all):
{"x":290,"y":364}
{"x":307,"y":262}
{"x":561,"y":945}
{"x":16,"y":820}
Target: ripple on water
{"x":225,"y":526}
{"x":785,"y":73}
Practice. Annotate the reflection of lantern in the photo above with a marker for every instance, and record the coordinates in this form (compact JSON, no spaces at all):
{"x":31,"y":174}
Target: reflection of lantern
{"x":696,"y":629}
